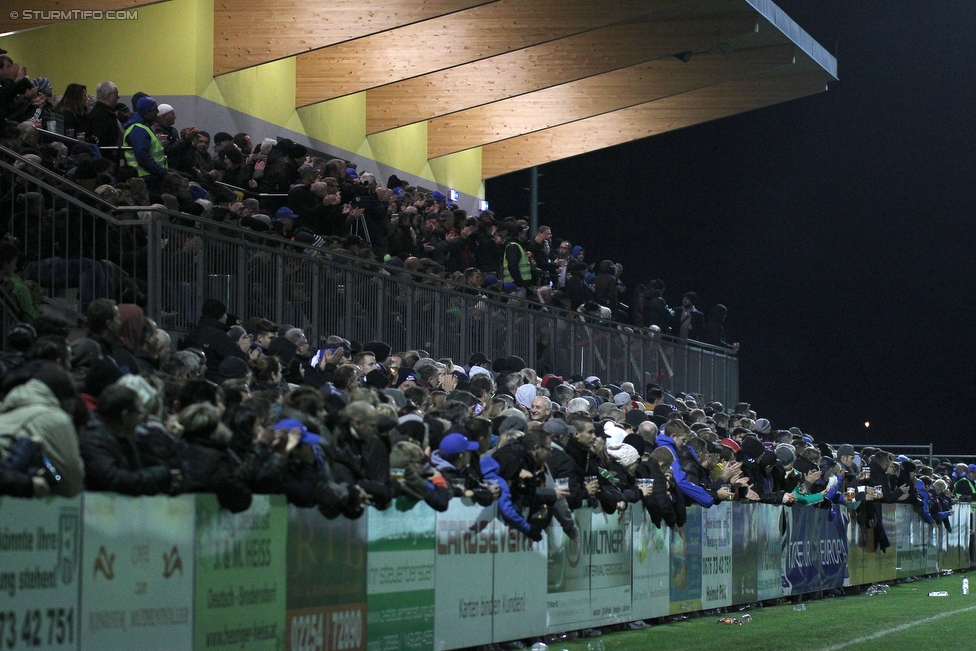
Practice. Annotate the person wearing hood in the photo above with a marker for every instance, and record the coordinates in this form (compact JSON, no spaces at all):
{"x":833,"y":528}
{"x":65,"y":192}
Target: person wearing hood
{"x":38,"y":407}
{"x":525,"y":394}
{"x":361,"y":458}
{"x":416,"y":479}
{"x":208,"y":466}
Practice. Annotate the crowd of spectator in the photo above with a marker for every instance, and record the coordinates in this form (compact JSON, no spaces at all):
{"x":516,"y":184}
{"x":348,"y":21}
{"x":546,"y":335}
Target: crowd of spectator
{"x":137,"y":155}
{"x":244,"y":408}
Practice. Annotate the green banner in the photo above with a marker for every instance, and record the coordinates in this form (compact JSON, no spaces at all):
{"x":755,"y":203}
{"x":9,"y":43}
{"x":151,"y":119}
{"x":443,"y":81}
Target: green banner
{"x":240,"y":575}
{"x":400,"y":578}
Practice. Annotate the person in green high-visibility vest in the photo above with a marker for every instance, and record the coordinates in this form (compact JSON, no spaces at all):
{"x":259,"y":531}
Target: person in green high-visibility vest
{"x":515,"y":265}
{"x":147,"y":155}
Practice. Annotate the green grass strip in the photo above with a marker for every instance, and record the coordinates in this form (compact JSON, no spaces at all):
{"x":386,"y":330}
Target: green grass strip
{"x":905,"y":618}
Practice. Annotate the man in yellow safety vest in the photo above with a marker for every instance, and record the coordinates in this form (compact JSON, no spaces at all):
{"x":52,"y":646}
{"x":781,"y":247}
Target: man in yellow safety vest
{"x":515,"y":265}
{"x":146,"y":154}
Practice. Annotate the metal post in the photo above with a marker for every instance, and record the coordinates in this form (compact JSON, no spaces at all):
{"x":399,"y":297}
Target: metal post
{"x":534,"y":200}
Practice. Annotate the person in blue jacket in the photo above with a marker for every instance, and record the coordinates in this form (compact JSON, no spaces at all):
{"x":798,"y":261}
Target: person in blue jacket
{"x":674,"y":437}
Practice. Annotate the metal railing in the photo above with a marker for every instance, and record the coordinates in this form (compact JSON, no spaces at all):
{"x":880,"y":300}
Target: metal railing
{"x":171,"y":262}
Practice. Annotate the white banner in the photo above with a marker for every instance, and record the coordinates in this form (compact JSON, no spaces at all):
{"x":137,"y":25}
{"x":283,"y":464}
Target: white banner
{"x":568,"y":595}
{"x":138,"y":572}
{"x":463,"y":606}
{"x":611,"y":557}
{"x":717,"y":555}
{"x":520,"y":583}
{"x":651,"y":596}
{"x":40,"y":546}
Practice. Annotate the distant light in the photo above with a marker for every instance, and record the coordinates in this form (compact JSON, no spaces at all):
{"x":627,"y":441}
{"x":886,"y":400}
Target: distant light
{"x":867,"y":424}
{"x":454,"y":195}
{"x":484,"y":205}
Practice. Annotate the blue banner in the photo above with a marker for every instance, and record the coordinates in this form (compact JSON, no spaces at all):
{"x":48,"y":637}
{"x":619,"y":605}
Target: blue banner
{"x":814,"y":549}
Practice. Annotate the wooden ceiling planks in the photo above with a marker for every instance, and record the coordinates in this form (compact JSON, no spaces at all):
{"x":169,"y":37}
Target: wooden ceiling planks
{"x":596,"y":95}
{"x":694,"y":107}
{"x":548,"y":64}
{"x":19,"y":17}
{"x":251,"y":32}
{"x":453,"y":40}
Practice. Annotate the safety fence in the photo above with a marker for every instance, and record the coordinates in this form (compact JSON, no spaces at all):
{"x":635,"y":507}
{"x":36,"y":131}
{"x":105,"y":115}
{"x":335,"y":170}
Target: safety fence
{"x":326,"y":292}
{"x":80,"y":247}
{"x":105,"y":571}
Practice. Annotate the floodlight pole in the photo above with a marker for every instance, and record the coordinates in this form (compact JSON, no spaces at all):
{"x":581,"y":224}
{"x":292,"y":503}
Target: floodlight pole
{"x":534,"y":200}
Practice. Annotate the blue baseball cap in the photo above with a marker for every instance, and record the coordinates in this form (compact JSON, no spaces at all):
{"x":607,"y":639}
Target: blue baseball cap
{"x":454,"y":444}
{"x":145,"y":105}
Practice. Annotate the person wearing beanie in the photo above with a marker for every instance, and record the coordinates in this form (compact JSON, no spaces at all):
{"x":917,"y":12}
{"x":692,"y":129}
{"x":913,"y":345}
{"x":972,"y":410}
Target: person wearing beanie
{"x":167,"y":133}
{"x":210,"y":336}
{"x":146,"y":154}
{"x":233,"y":368}
{"x":785,"y":455}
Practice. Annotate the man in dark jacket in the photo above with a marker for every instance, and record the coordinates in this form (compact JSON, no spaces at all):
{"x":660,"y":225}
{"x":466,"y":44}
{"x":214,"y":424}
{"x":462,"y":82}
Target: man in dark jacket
{"x":522,"y":465}
{"x":656,"y":310}
{"x":104,"y":322}
{"x":360,"y":457}
{"x":689,"y":322}
{"x":103,"y":122}
{"x":578,"y":448}
{"x":14,"y":83}
{"x":113,"y":461}
{"x":210,"y":336}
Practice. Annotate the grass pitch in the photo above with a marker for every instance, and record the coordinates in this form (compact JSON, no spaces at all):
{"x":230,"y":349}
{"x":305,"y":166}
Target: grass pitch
{"x":905,"y":618}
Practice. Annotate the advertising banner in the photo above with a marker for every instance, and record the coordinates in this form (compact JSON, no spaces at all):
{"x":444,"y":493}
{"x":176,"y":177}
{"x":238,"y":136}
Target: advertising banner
{"x":611,"y":555}
{"x":40,"y":555}
{"x":520,"y":573}
{"x":686,"y":565}
{"x":911,"y":543}
{"x":866,"y":564}
{"x":814,"y":549}
{"x":956,"y":541}
{"x":568,"y":600}
{"x":326,"y":582}
{"x":650,"y":546}
{"x":400,"y":577}
{"x":240,"y":575}
{"x":768,"y":528}
{"x":137,"y":581}
{"x":717,"y":555}
{"x":464,"y":608}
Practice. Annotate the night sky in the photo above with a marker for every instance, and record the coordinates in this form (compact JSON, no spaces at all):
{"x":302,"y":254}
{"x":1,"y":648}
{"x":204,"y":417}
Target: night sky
{"x":837,"y":228}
